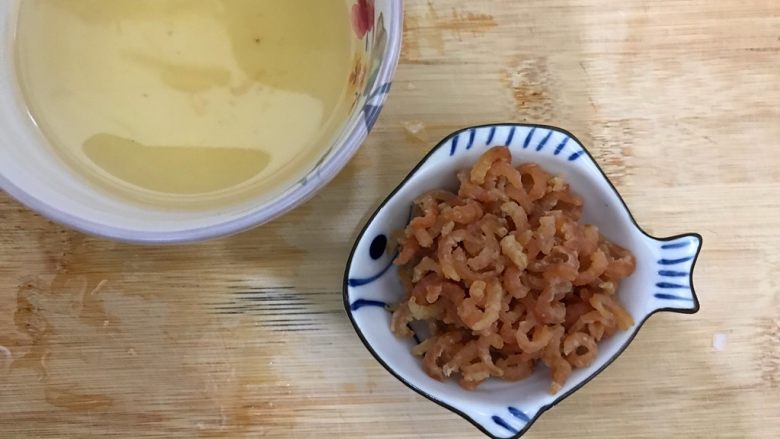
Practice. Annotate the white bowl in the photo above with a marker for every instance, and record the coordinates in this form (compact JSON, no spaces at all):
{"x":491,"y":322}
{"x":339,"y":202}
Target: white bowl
{"x":33,"y":175}
{"x":662,"y":281}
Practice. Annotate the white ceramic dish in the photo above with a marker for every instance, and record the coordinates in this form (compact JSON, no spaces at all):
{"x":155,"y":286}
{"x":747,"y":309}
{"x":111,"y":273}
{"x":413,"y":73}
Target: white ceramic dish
{"x":662,"y":280}
{"x":33,"y":175}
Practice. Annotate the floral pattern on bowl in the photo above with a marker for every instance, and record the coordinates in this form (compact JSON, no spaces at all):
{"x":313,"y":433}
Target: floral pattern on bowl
{"x":370,"y":79}
{"x":373,"y":30}
{"x":663,"y":280}
{"x":363,"y":14}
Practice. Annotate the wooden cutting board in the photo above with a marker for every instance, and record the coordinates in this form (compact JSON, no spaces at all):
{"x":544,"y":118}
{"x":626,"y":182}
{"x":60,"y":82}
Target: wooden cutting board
{"x":246,"y":336}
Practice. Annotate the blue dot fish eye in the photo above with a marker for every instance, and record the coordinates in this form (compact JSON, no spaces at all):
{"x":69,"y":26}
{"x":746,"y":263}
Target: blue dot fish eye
{"x":378,"y":246}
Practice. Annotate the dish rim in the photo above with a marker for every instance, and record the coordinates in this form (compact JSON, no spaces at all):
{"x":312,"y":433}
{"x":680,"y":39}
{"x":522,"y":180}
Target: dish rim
{"x":544,"y":408}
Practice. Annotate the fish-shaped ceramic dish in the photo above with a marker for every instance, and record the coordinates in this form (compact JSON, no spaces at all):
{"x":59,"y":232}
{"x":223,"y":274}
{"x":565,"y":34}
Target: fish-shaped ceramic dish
{"x":662,"y":281}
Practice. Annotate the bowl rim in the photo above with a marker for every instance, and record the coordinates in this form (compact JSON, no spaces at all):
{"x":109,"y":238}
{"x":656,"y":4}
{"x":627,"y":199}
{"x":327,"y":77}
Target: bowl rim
{"x":292,"y":197}
{"x":544,"y":408}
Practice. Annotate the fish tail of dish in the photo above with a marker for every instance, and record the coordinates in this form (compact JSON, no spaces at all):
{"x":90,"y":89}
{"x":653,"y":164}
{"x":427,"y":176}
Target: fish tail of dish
{"x":673,"y":288}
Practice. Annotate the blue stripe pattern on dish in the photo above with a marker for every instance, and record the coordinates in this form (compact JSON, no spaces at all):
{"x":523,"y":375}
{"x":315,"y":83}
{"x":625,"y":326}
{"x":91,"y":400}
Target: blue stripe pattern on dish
{"x":541,"y":144}
{"x":454,"y":146}
{"x":510,"y":136}
{"x":500,"y":421}
{"x":528,"y":138}
{"x":677,"y":256}
{"x":491,"y":135}
{"x":360,"y":303}
{"x":561,"y":145}
{"x":472,"y":134}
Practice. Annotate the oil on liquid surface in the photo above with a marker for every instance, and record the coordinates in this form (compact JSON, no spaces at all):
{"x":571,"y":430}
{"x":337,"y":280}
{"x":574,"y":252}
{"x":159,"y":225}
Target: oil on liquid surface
{"x":186,"y":101}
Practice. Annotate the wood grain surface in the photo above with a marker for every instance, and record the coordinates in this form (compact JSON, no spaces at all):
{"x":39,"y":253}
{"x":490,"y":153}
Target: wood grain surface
{"x":679,"y":100}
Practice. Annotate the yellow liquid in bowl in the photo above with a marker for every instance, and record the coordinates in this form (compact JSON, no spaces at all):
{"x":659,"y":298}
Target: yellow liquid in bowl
{"x":183,"y":102}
